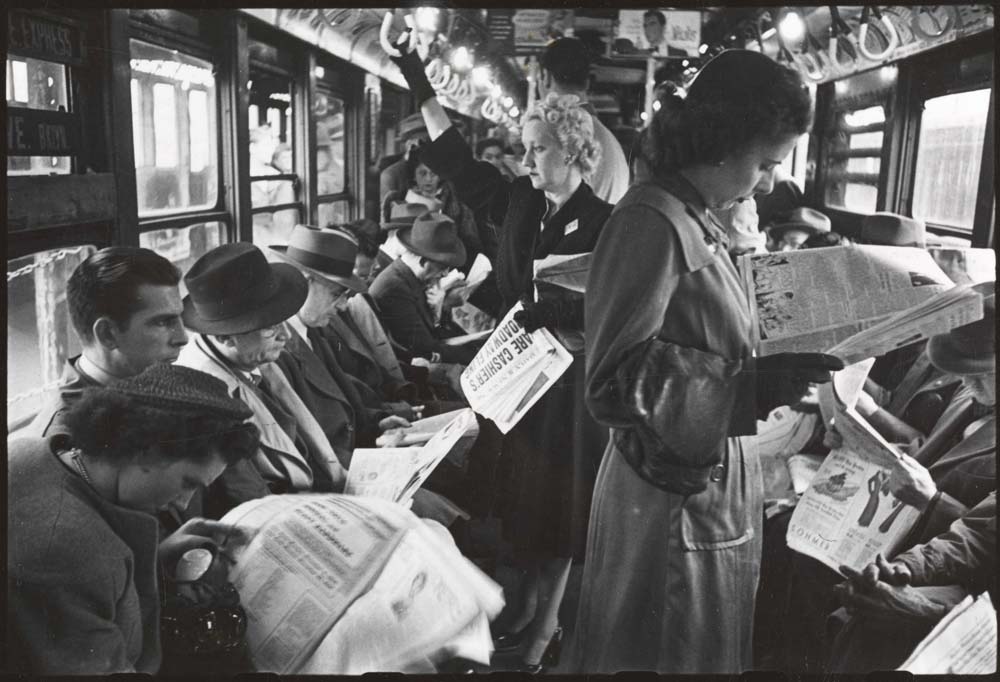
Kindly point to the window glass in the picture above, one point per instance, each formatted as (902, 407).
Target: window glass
(274, 227)
(272, 153)
(174, 130)
(40, 335)
(182, 246)
(853, 159)
(949, 156)
(335, 212)
(330, 144)
(37, 84)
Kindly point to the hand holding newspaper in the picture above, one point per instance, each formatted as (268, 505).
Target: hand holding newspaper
(512, 370)
(337, 584)
(847, 515)
(963, 643)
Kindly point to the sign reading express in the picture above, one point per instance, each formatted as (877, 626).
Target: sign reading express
(31, 132)
(32, 36)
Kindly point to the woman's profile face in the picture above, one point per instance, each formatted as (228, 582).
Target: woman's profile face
(748, 173)
(151, 485)
(426, 181)
(544, 157)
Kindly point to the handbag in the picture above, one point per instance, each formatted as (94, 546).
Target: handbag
(679, 403)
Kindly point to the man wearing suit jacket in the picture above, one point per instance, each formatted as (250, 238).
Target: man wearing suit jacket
(432, 248)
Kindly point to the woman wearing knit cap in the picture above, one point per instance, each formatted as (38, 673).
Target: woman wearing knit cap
(84, 557)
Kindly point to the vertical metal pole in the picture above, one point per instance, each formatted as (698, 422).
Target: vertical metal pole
(650, 86)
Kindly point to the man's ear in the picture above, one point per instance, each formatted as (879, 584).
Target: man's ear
(106, 333)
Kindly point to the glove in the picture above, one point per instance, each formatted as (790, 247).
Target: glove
(538, 315)
(413, 71)
(783, 378)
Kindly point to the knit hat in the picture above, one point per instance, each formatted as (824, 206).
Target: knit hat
(175, 388)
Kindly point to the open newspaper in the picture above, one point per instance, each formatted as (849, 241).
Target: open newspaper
(847, 515)
(963, 643)
(814, 299)
(338, 584)
(567, 271)
(422, 430)
(512, 371)
(396, 473)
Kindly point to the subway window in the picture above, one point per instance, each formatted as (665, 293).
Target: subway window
(855, 159)
(174, 130)
(273, 178)
(40, 85)
(182, 246)
(949, 158)
(40, 335)
(331, 149)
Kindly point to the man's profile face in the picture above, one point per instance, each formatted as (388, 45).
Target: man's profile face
(654, 30)
(154, 333)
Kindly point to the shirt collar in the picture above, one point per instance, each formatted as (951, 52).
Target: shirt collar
(253, 376)
(91, 370)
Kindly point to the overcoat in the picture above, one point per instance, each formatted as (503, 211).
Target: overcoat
(669, 579)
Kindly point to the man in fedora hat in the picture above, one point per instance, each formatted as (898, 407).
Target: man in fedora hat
(432, 248)
(238, 303)
(801, 223)
(397, 216)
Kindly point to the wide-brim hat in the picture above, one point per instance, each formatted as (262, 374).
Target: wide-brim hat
(892, 229)
(435, 237)
(232, 289)
(327, 253)
(403, 215)
(802, 219)
(971, 348)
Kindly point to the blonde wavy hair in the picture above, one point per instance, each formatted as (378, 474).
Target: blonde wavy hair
(574, 128)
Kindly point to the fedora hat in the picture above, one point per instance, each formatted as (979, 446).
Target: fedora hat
(402, 215)
(971, 348)
(327, 253)
(232, 289)
(412, 126)
(892, 229)
(435, 237)
(803, 219)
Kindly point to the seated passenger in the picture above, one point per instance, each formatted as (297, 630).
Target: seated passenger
(126, 311)
(790, 233)
(238, 302)
(83, 565)
(432, 248)
(396, 216)
(778, 204)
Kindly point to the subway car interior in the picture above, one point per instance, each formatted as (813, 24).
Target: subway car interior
(182, 131)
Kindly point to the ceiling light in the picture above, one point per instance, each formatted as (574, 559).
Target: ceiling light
(514, 112)
(427, 19)
(792, 28)
(508, 102)
(461, 58)
(703, 48)
(481, 77)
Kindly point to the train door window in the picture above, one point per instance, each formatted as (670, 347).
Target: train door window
(40, 336)
(42, 85)
(855, 159)
(274, 182)
(331, 149)
(949, 156)
(175, 128)
(182, 246)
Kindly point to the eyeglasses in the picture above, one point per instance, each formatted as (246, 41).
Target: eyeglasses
(271, 332)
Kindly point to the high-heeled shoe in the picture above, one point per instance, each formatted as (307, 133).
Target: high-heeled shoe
(506, 642)
(550, 657)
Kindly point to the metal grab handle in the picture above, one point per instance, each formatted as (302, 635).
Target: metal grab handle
(383, 35)
(812, 67)
(950, 21)
(840, 35)
(891, 35)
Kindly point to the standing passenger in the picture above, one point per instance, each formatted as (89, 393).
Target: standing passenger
(673, 550)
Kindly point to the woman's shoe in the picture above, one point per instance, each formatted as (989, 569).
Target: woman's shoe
(508, 641)
(550, 658)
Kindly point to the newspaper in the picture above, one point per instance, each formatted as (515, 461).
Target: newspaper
(963, 643)
(811, 300)
(847, 515)
(965, 266)
(396, 473)
(569, 272)
(422, 430)
(512, 370)
(337, 584)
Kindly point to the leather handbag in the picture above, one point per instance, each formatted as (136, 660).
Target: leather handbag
(679, 402)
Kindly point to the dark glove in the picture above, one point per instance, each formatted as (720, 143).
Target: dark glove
(784, 378)
(413, 71)
(537, 315)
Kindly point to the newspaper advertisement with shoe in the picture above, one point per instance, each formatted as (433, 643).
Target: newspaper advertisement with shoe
(811, 300)
(963, 643)
(336, 584)
(847, 515)
(512, 370)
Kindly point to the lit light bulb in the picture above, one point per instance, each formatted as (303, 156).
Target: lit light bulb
(703, 48)
(685, 63)
(461, 58)
(514, 112)
(887, 74)
(792, 28)
(657, 105)
(496, 91)
(508, 102)
(426, 19)
(319, 71)
(644, 116)
(481, 77)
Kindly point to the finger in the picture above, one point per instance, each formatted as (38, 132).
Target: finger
(870, 574)
(903, 575)
(850, 573)
(885, 569)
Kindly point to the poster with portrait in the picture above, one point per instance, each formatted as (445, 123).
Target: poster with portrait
(534, 28)
(657, 32)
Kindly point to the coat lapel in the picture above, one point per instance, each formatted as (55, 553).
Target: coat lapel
(315, 372)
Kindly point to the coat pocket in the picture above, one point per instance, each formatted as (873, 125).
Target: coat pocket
(719, 517)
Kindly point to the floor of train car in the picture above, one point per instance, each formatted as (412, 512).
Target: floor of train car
(488, 550)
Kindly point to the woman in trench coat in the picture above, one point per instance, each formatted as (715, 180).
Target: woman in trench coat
(673, 549)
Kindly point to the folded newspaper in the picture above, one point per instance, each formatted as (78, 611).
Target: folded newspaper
(567, 271)
(847, 515)
(338, 584)
(396, 473)
(963, 643)
(512, 371)
(815, 300)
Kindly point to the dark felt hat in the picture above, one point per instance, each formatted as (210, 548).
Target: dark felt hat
(435, 237)
(803, 219)
(892, 229)
(182, 389)
(403, 215)
(328, 253)
(232, 289)
(971, 348)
